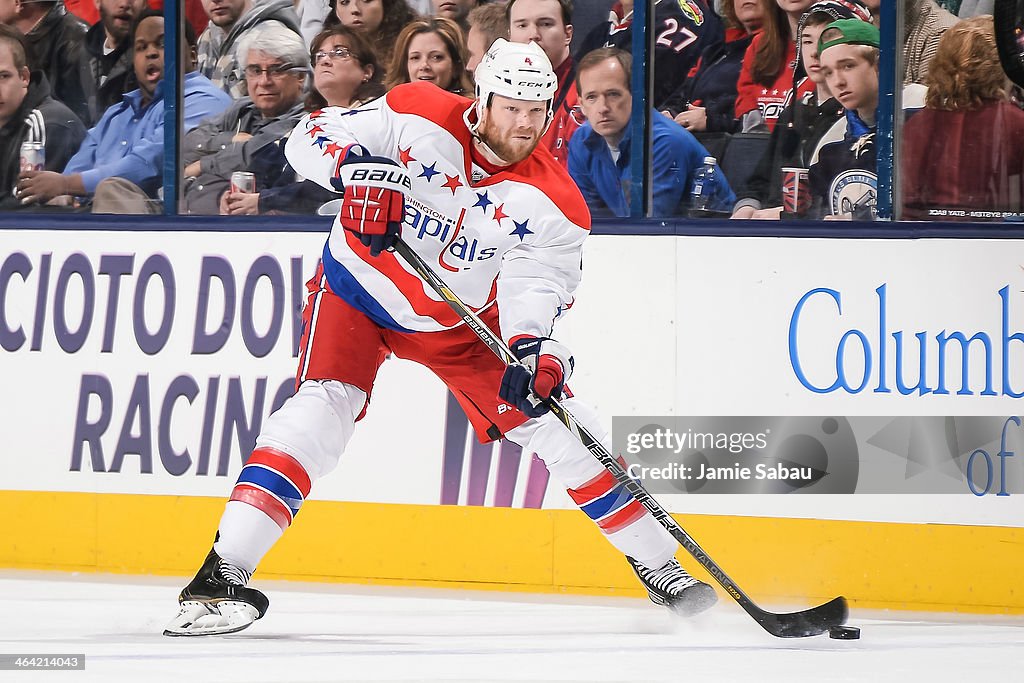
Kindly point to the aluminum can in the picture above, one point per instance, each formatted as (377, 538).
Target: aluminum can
(33, 156)
(796, 190)
(243, 181)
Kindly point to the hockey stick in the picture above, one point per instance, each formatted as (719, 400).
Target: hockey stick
(808, 622)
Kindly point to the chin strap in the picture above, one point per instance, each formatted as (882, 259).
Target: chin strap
(473, 126)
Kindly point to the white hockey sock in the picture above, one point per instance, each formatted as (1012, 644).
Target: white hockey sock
(626, 524)
(246, 534)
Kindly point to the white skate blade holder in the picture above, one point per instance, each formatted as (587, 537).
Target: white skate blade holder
(211, 619)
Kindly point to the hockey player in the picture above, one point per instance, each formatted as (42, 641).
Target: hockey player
(466, 187)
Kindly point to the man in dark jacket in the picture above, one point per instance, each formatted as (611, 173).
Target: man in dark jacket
(230, 20)
(806, 123)
(29, 114)
(276, 64)
(54, 39)
(106, 67)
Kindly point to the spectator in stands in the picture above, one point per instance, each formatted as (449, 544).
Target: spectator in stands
(766, 77)
(548, 23)
(379, 20)
(345, 74)
(456, 10)
(487, 23)
(842, 176)
(105, 67)
(431, 50)
(120, 163)
(54, 38)
(683, 29)
(805, 124)
(707, 99)
(29, 114)
(230, 21)
(924, 22)
(599, 152)
(275, 63)
(965, 149)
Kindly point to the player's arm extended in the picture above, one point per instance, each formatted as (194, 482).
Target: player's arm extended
(323, 139)
(538, 279)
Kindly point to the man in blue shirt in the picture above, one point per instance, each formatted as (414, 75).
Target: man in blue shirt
(120, 162)
(599, 154)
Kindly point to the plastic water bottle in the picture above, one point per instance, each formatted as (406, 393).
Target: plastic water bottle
(705, 185)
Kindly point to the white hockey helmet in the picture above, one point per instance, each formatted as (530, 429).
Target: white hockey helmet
(520, 71)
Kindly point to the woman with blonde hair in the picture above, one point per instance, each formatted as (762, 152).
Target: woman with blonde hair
(964, 152)
(431, 50)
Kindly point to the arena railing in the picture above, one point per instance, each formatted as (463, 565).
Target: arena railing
(638, 223)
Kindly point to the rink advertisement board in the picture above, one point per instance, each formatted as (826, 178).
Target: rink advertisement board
(145, 363)
(140, 366)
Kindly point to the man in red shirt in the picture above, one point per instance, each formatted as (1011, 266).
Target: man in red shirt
(547, 23)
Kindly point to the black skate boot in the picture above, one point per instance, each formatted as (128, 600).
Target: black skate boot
(674, 588)
(217, 601)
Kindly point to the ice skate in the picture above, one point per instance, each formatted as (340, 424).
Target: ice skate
(217, 601)
(673, 587)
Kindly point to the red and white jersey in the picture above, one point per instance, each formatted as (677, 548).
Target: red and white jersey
(511, 237)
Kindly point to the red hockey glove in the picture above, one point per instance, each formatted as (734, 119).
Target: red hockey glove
(543, 367)
(374, 203)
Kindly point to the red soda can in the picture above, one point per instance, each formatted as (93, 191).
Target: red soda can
(33, 156)
(243, 181)
(796, 190)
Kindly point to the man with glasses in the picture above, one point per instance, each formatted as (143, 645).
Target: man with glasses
(275, 63)
(220, 45)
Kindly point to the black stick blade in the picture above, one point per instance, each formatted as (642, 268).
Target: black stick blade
(809, 622)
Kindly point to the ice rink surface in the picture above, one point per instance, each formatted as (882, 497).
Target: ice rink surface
(330, 632)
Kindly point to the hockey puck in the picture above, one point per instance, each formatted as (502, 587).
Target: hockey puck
(844, 632)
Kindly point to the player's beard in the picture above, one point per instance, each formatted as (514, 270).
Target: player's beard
(510, 150)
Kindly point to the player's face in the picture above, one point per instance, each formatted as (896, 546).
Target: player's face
(512, 128)
(428, 60)
(8, 11)
(117, 16)
(338, 74)
(750, 13)
(809, 52)
(605, 98)
(13, 84)
(540, 21)
(273, 93)
(149, 54)
(364, 16)
(225, 12)
(851, 78)
(475, 41)
(456, 10)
